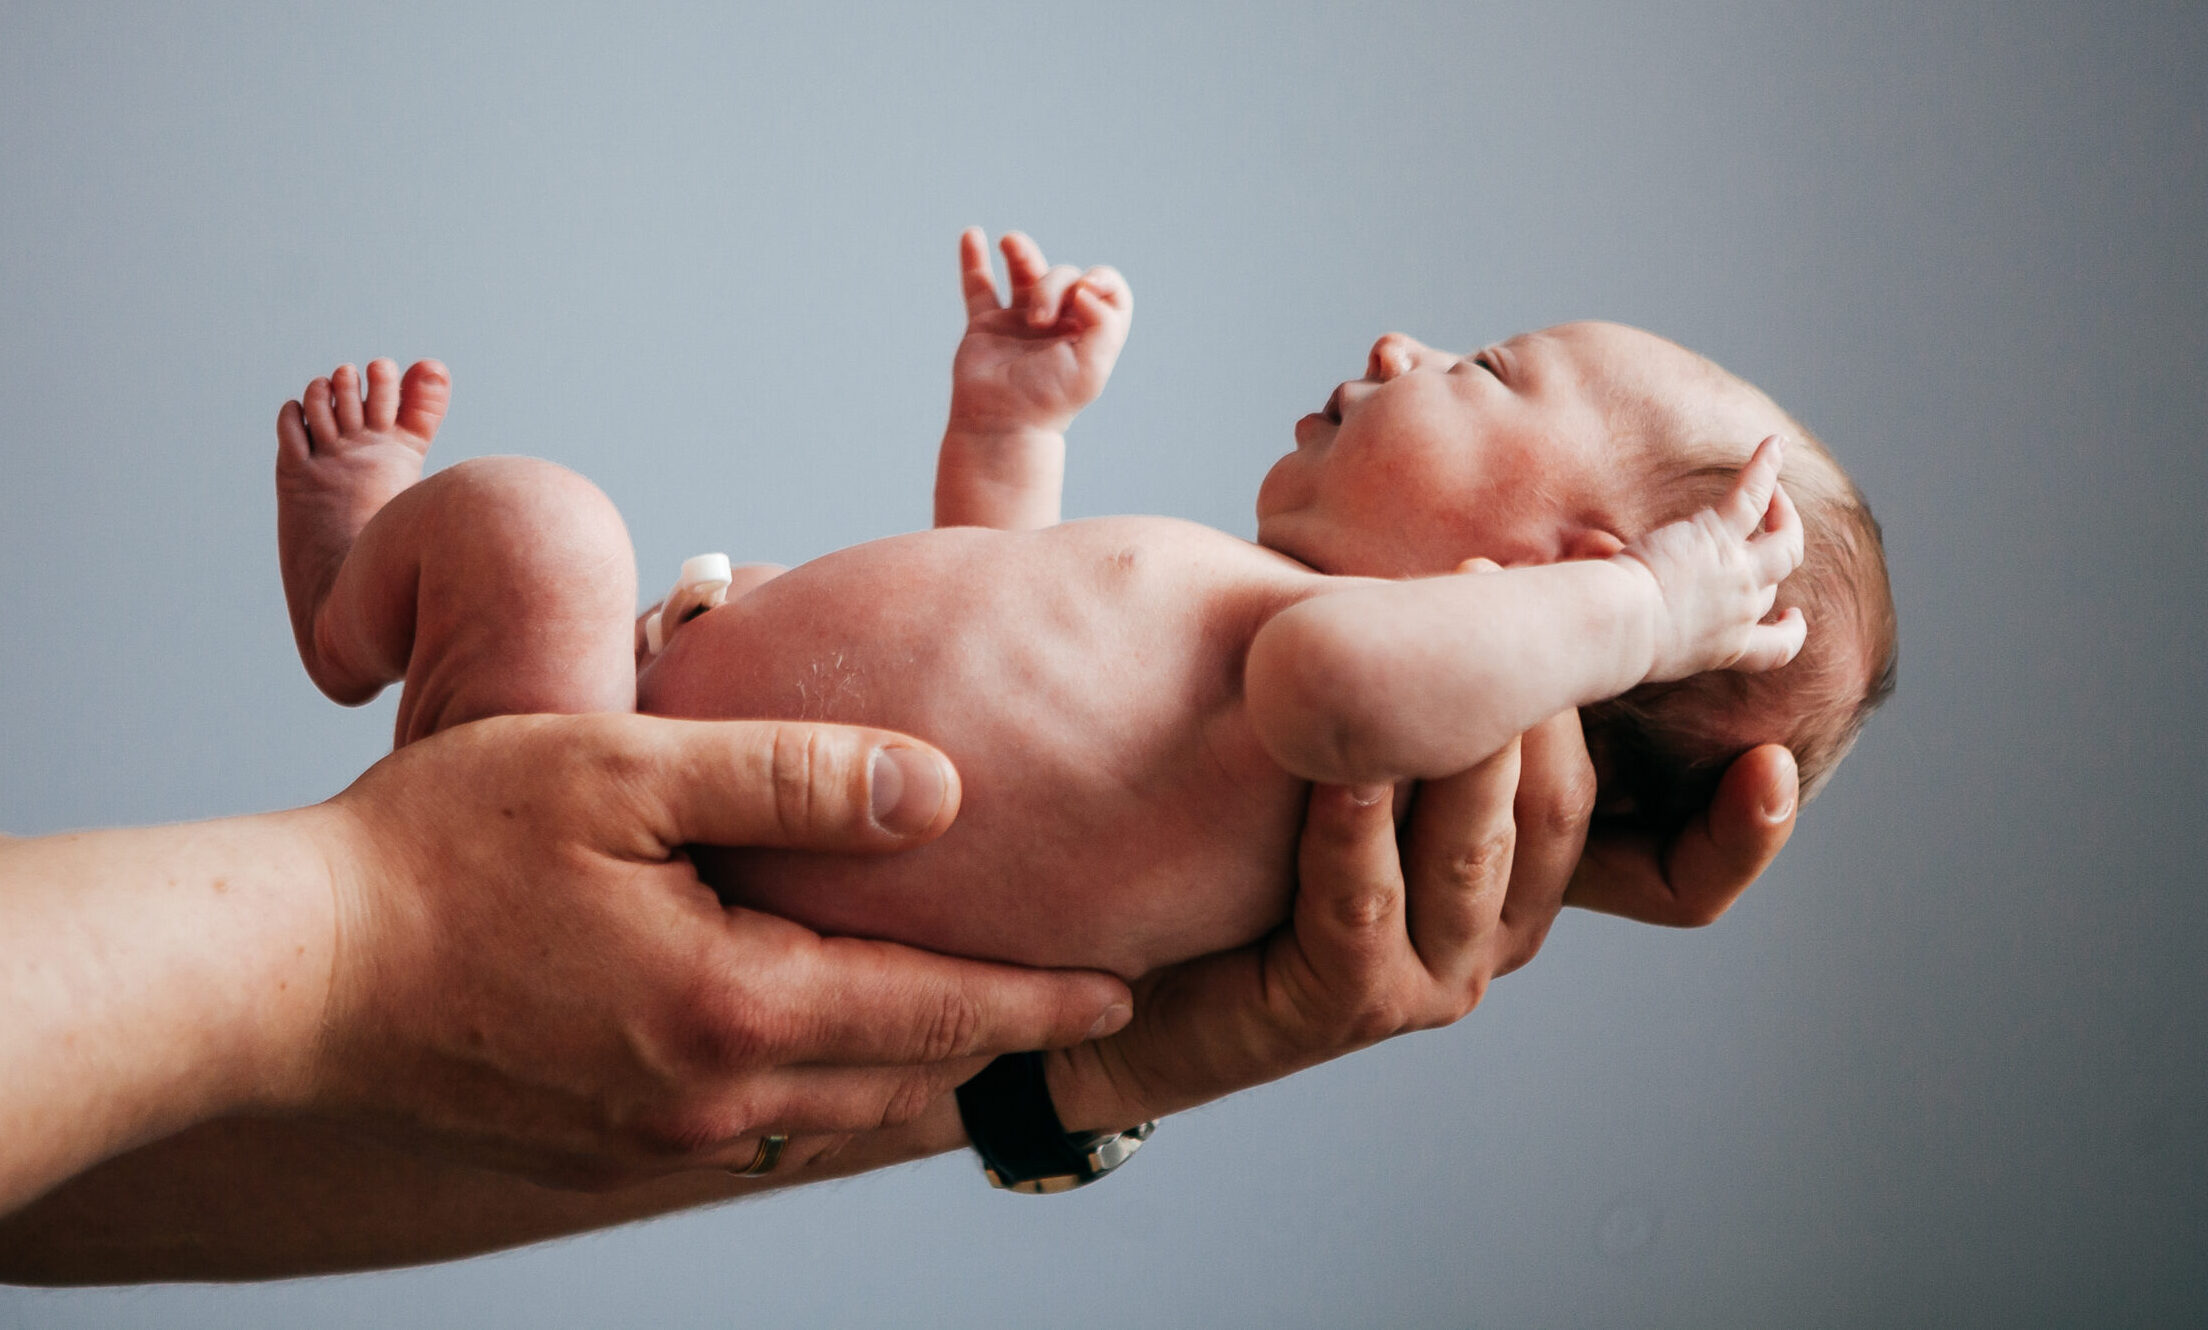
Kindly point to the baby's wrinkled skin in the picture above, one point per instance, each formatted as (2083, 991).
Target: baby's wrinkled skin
(1136, 704)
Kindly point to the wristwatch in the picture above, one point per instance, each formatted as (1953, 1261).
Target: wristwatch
(1023, 1146)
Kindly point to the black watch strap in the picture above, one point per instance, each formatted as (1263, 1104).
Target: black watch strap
(1023, 1146)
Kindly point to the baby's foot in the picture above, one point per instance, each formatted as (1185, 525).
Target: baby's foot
(338, 461)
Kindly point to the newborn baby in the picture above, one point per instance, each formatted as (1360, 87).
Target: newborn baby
(1458, 548)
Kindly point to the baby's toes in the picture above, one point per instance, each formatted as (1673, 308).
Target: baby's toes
(423, 397)
(345, 392)
(383, 393)
(292, 443)
(321, 419)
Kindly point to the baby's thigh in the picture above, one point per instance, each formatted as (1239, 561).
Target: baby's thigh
(525, 592)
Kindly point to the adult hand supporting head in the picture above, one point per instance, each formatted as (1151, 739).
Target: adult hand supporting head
(1693, 879)
(529, 973)
(1397, 933)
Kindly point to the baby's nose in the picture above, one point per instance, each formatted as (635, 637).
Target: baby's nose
(1394, 354)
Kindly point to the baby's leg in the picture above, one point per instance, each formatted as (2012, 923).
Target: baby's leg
(496, 586)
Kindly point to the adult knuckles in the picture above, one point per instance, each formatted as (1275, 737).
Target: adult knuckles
(690, 1129)
(1565, 805)
(1484, 861)
(727, 1027)
(949, 1026)
(908, 1097)
(812, 775)
(1367, 908)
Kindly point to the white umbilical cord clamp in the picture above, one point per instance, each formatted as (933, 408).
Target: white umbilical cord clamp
(702, 585)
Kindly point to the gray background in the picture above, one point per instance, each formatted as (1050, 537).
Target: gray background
(1944, 1066)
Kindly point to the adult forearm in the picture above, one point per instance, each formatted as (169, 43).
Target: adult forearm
(152, 979)
(263, 1198)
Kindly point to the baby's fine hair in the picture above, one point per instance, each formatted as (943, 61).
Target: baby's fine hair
(1661, 749)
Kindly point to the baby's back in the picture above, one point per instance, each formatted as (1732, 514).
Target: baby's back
(1086, 679)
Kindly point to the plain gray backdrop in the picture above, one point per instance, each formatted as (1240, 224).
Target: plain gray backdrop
(1944, 1066)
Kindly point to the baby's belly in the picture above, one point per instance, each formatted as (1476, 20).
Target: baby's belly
(1117, 812)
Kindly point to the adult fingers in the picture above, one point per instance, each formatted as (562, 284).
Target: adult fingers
(1697, 877)
(710, 1123)
(976, 282)
(781, 783)
(855, 1002)
(1555, 799)
(1349, 901)
(1457, 868)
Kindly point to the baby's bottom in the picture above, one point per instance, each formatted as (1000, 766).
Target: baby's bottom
(496, 586)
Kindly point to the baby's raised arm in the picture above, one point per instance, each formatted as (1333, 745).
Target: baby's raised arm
(1022, 373)
(1385, 681)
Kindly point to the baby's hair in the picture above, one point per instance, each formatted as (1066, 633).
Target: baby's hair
(1661, 749)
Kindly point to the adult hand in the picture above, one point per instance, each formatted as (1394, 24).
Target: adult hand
(528, 971)
(1690, 880)
(1393, 933)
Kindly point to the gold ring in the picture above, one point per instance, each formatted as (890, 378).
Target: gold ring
(764, 1158)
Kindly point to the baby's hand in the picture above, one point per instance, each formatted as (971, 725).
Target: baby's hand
(1033, 364)
(1718, 572)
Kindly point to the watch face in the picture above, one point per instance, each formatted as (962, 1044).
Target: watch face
(1109, 1152)
(1023, 1147)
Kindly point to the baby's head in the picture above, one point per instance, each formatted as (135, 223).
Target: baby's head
(1568, 443)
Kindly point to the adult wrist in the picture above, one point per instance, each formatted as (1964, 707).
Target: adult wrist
(299, 927)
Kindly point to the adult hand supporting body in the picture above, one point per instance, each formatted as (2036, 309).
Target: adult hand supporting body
(492, 946)
(1383, 940)
(1396, 933)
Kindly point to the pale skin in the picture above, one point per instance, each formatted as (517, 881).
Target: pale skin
(1136, 703)
(1375, 946)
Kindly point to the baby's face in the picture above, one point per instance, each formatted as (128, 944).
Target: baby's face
(1432, 457)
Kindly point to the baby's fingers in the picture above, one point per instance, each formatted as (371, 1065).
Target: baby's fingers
(1023, 259)
(1744, 508)
(974, 275)
(1099, 298)
(1108, 286)
(1779, 547)
(1046, 301)
(1771, 645)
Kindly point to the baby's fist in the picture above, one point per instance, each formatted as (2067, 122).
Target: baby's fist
(1717, 575)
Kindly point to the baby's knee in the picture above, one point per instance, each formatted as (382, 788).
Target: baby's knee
(536, 527)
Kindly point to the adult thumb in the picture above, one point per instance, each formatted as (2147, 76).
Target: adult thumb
(791, 784)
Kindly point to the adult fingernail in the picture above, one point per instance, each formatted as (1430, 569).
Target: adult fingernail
(1365, 796)
(1779, 809)
(1115, 1017)
(908, 790)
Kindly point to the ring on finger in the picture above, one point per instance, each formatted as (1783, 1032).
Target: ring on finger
(764, 1158)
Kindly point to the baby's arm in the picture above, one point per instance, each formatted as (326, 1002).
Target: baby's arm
(1023, 371)
(1380, 682)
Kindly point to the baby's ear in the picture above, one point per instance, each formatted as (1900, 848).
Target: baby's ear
(1592, 542)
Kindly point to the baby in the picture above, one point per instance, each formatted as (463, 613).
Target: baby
(1458, 548)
